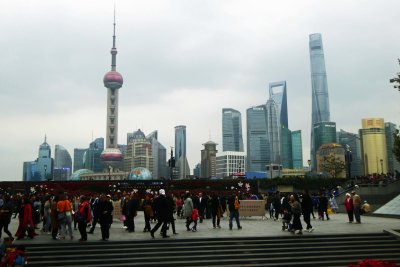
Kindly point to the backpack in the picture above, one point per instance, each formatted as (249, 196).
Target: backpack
(236, 203)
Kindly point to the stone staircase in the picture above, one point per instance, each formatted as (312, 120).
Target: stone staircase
(291, 250)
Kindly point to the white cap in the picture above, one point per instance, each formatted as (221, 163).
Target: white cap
(162, 192)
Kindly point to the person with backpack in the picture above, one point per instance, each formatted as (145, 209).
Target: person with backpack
(83, 216)
(234, 206)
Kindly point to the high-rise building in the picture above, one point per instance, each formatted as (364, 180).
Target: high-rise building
(29, 172)
(197, 170)
(297, 150)
(113, 80)
(324, 133)
(62, 164)
(393, 164)
(319, 86)
(44, 162)
(286, 148)
(351, 143)
(160, 168)
(257, 139)
(277, 92)
(373, 146)
(208, 160)
(231, 164)
(79, 158)
(273, 131)
(92, 157)
(232, 139)
(181, 163)
(139, 153)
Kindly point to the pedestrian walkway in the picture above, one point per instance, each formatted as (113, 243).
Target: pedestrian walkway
(252, 227)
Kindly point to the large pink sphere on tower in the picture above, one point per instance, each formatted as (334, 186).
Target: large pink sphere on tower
(113, 80)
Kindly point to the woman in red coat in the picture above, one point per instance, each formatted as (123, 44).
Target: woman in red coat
(348, 203)
(25, 219)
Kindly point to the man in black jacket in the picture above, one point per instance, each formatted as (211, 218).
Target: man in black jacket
(307, 208)
(105, 209)
(162, 209)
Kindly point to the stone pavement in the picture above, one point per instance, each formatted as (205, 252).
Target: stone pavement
(252, 226)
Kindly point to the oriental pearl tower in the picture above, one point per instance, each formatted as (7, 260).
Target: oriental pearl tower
(113, 80)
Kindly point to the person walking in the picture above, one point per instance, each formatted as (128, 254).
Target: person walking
(171, 211)
(105, 209)
(307, 207)
(216, 210)
(234, 206)
(25, 220)
(276, 202)
(83, 216)
(5, 216)
(323, 206)
(348, 204)
(356, 206)
(148, 212)
(161, 207)
(187, 210)
(296, 211)
(95, 212)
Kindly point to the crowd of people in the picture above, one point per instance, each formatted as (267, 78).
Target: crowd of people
(60, 215)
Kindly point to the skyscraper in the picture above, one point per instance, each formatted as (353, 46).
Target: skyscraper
(257, 139)
(232, 139)
(44, 162)
(297, 150)
(373, 146)
(113, 80)
(62, 164)
(92, 157)
(286, 148)
(273, 131)
(351, 143)
(159, 156)
(277, 92)
(181, 163)
(393, 164)
(208, 160)
(324, 133)
(319, 86)
(79, 158)
(139, 153)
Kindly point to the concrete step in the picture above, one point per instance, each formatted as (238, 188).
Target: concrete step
(263, 251)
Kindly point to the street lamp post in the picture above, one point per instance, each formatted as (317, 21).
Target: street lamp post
(381, 160)
(348, 158)
(396, 80)
(171, 163)
(309, 167)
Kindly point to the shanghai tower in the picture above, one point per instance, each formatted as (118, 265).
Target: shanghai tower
(319, 86)
(113, 80)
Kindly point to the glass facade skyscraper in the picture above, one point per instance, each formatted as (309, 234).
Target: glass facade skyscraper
(62, 164)
(257, 139)
(92, 160)
(232, 139)
(273, 131)
(393, 164)
(286, 148)
(351, 143)
(297, 150)
(181, 162)
(79, 158)
(277, 92)
(319, 86)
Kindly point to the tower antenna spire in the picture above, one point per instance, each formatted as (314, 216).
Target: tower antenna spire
(114, 49)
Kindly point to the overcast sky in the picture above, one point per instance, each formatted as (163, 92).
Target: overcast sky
(182, 62)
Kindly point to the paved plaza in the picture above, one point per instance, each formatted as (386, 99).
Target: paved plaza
(252, 226)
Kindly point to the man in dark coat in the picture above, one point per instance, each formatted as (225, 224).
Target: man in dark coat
(131, 212)
(276, 202)
(162, 209)
(307, 208)
(105, 209)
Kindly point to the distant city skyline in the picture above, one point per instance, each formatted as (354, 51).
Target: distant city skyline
(182, 63)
